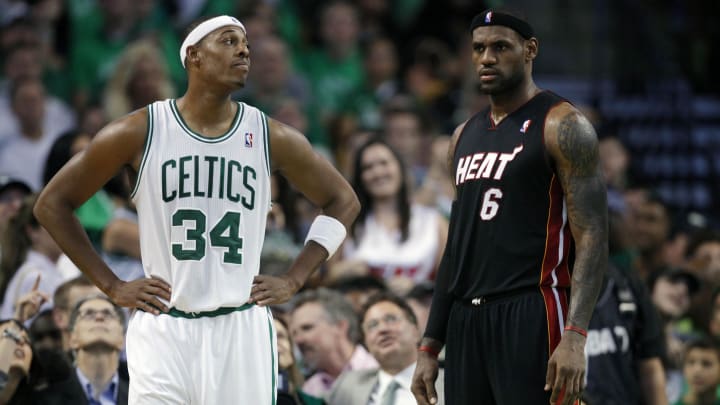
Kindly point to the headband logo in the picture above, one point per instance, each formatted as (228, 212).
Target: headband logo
(488, 17)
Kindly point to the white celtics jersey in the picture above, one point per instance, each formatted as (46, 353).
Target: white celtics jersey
(202, 206)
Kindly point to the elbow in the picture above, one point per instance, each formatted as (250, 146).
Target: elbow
(41, 209)
(353, 207)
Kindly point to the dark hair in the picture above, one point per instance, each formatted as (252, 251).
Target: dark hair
(366, 203)
(700, 238)
(421, 291)
(44, 316)
(76, 310)
(358, 283)
(16, 241)
(287, 197)
(702, 343)
(19, 47)
(387, 296)
(60, 153)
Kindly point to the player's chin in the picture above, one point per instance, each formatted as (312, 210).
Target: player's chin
(237, 79)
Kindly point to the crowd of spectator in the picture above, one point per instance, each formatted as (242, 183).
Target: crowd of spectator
(376, 86)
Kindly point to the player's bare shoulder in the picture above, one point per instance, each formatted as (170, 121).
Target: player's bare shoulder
(286, 144)
(126, 135)
(570, 139)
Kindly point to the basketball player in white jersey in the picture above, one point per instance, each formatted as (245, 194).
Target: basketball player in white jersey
(202, 333)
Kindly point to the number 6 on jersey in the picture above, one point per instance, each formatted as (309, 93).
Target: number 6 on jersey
(490, 204)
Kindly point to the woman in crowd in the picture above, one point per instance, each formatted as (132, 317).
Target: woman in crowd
(140, 78)
(15, 362)
(392, 238)
(29, 253)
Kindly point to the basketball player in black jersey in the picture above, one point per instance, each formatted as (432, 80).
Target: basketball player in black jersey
(528, 236)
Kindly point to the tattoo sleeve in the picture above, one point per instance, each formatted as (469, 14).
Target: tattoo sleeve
(586, 198)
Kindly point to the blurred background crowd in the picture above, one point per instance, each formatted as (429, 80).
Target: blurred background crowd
(377, 86)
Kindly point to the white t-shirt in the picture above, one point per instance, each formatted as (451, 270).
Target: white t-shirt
(388, 257)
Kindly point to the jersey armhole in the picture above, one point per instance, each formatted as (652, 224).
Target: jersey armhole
(266, 150)
(146, 149)
(266, 142)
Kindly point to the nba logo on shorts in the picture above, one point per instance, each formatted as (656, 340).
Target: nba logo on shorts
(488, 17)
(248, 139)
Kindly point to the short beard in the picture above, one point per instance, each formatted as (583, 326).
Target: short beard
(503, 86)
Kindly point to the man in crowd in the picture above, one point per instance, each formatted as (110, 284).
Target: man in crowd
(325, 329)
(392, 336)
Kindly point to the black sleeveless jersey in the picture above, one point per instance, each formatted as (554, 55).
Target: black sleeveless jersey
(511, 229)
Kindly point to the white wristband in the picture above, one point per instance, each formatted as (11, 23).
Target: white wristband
(328, 232)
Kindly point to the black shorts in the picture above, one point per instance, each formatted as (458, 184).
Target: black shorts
(497, 349)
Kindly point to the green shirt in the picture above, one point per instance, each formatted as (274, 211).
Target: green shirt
(334, 83)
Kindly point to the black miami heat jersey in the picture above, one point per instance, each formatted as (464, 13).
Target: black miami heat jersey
(511, 229)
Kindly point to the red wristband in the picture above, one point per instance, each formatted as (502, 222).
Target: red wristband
(576, 330)
(429, 350)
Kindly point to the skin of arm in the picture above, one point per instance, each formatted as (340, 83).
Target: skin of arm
(652, 381)
(325, 187)
(442, 239)
(573, 148)
(426, 371)
(117, 145)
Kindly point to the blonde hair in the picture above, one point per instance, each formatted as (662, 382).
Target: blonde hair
(116, 99)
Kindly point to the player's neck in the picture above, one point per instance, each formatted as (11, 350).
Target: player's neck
(505, 103)
(205, 108)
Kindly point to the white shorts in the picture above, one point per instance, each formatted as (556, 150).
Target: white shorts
(227, 359)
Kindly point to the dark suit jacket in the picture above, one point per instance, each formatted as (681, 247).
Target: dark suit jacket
(71, 392)
(354, 387)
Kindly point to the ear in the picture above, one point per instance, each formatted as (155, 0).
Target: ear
(531, 49)
(343, 326)
(192, 55)
(60, 318)
(74, 344)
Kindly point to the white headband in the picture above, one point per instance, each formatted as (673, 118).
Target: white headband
(205, 28)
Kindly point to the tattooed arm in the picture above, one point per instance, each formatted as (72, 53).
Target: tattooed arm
(573, 148)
